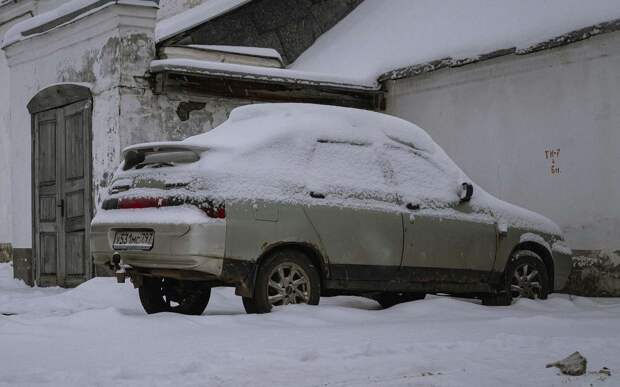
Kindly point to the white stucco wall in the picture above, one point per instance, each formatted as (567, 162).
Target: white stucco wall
(500, 120)
(5, 159)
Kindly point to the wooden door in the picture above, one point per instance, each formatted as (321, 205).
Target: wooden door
(62, 194)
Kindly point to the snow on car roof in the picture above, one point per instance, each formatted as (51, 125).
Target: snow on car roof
(255, 125)
(420, 31)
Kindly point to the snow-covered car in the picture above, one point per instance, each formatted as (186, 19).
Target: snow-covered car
(288, 202)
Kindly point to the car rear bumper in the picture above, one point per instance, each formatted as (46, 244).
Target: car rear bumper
(197, 247)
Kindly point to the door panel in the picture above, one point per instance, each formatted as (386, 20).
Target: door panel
(360, 244)
(74, 253)
(456, 247)
(46, 196)
(61, 194)
(48, 254)
(74, 188)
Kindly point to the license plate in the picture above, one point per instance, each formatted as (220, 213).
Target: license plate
(133, 240)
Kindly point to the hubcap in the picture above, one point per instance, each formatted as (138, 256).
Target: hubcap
(288, 284)
(525, 282)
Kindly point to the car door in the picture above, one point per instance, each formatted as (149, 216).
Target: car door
(453, 245)
(349, 206)
(445, 240)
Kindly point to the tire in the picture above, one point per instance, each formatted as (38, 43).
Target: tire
(389, 299)
(296, 277)
(172, 295)
(525, 277)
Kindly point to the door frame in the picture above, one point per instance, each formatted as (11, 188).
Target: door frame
(51, 98)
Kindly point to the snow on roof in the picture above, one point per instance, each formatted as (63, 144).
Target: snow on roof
(251, 125)
(259, 73)
(380, 36)
(63, 14)
(193, 17)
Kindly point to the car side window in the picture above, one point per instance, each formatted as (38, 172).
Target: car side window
(418, 178)
(348, 171)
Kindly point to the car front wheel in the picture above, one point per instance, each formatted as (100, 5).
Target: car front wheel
(172, 295)
(525, 277)
(285, 277)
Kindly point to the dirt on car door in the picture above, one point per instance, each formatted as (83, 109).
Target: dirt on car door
(454, 245)
(361, 244)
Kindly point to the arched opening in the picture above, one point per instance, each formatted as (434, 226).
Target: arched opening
(61, 184)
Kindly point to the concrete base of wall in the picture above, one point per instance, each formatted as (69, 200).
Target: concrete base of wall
(595, 274)
(22, 265)
(6, 252)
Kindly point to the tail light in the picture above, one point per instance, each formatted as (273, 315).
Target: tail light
(217, 211)
(142, 202)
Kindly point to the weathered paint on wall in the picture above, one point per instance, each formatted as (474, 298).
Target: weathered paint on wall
(10, 14)
(540, 130)
(88, 51)
(112, 56)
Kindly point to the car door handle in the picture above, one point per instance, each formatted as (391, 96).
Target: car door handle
(317, 195)
(413, 207)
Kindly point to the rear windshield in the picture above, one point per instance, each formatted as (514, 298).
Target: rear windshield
(139, 159)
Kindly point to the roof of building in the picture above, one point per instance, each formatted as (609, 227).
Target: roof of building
(379, 37)
(193, 17)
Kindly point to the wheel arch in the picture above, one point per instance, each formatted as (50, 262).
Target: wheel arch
(311, 251)
(542, 252)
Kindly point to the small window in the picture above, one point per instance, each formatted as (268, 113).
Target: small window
(418, 178)
(348, 170)
(140, 159)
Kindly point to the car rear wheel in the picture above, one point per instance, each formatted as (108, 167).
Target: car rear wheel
(525, 277)
(172, 295)
(285, 277)
(389, 299)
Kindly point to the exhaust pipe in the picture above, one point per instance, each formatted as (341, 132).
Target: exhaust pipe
(119, 269)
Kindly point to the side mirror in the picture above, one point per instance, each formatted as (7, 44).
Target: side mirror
(466, 192)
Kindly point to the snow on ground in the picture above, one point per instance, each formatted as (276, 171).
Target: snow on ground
(380, 36)
(98, 334)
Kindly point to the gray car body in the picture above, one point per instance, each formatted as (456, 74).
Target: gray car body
(361, 239)
(358, 250)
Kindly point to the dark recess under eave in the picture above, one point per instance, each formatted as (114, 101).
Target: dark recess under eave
(261, 90)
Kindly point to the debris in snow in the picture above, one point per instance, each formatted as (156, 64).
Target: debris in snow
(603, 373)
(573, 365)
